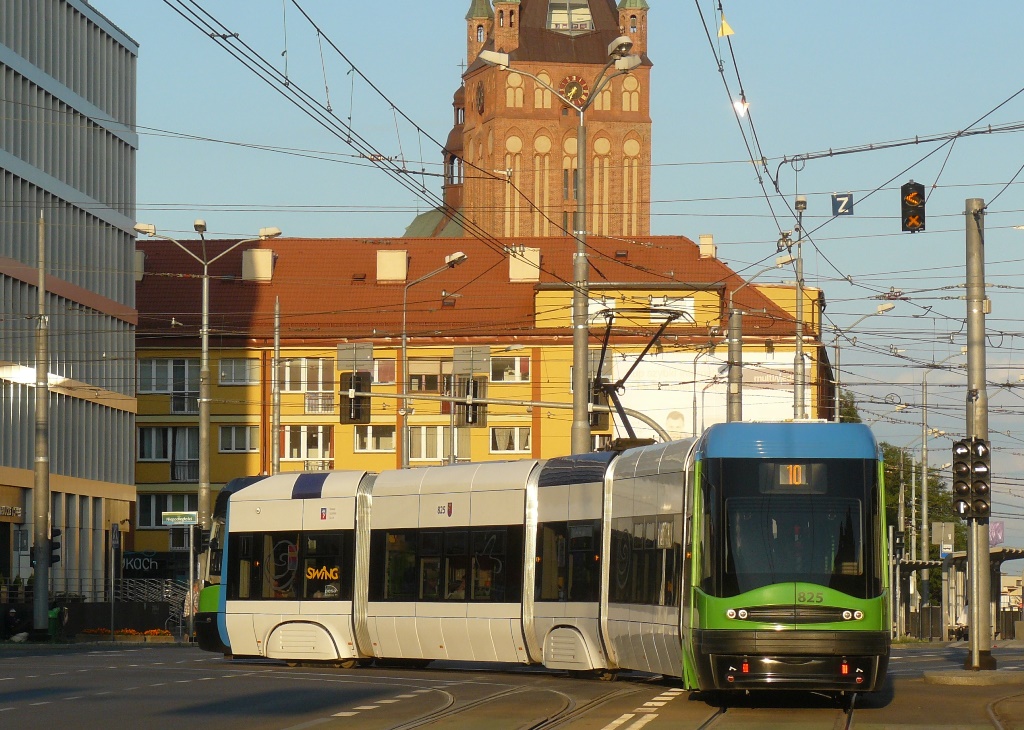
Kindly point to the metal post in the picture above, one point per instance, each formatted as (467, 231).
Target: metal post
(204, 403)
(735, 390)
(925, 546)
(835, 384)
(580, 433)
(980, 656)
(404, 410)
(41, 477)
(798, 363)
(275, 394)
(191, 583)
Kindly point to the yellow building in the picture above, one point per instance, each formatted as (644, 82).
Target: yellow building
(502, 318)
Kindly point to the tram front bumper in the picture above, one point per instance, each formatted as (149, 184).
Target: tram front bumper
(819, 660)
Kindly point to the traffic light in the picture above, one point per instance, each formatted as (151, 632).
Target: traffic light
(981, 477)
(472, 412)
(355, 408)
(599, 420)
(54, 546)
(200, 538)
(912, 206)
(898, 544)
(962, 478)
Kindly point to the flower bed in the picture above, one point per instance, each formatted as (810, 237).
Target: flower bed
(153, 636)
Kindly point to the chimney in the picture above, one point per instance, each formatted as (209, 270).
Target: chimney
(707, 246)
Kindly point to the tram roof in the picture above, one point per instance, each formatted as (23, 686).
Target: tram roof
(302, 485)
(790, 440)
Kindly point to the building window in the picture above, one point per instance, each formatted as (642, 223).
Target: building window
(240, 371)
(384, 371)
(570, 16)
(154, 443)
(426, 376)
(375, 438)
(178, 445)
(510, 369)
(479, 34)
(307, 442)
(433, 443)
(151, 507)
(510, 439)
(178, 377)
(239, 438)
(632, 24)
(306, 374)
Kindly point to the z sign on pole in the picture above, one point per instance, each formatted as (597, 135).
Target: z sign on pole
(842, 203)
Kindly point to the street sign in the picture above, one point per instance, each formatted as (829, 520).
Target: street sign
(842, 203)
(115, 535)
(179, 518)
(945, 550)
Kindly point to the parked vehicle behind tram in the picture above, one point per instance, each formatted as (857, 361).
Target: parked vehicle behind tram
(750, 557)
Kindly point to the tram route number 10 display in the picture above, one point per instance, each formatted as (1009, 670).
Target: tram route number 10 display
(793, 478)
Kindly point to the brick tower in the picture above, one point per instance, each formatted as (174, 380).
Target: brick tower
(518, 155)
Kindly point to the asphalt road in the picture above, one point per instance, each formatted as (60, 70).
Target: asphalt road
(113, 687)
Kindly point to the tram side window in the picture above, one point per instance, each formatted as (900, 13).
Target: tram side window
(646, 560)
(325, 556)
(480, 564)
(264, 565)
(568, 566)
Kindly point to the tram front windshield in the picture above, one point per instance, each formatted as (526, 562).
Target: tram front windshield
(791, 521)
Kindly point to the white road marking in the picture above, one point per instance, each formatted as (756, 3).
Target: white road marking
(641, 722)
(619, 722)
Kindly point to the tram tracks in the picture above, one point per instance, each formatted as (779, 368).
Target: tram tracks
(567, 708)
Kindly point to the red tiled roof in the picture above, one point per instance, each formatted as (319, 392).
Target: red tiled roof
(328, 288)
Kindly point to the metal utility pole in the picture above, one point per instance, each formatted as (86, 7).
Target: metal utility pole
(579, 435)
(41, 481)
(978, 561)
(798, 362)
(275, 394)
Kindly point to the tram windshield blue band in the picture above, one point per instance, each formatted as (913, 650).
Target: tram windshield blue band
(309, 486)
(810, 440)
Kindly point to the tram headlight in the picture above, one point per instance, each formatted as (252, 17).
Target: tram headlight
(858, 615)
(847, 615)
(742, 613)
(731, 613)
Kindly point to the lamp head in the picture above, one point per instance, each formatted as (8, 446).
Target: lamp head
(620, 47)
(266, 233)
(454, 259)
(801, 203)
(200, 226)
(146, 229)
(886, 307)
(494, 58)
(627, 63)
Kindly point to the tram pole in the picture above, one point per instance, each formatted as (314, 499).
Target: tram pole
(980, 656)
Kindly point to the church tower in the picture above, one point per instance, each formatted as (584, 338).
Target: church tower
(518, 152)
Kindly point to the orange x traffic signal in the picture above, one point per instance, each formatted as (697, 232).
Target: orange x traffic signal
(912, 206)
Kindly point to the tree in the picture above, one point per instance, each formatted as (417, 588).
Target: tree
(848, 412)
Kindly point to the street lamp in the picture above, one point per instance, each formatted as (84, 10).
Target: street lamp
(882, 309)
(148, 229)
(450, 262)
(624, 62)
(734, 398)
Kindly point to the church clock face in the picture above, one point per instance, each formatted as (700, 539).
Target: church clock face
(480, 98)
(575, 90)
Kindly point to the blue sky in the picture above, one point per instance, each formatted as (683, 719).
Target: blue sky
(818, 77)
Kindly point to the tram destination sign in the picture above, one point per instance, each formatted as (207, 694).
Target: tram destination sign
(179, 518)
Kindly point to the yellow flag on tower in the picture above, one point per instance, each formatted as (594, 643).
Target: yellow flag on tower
(725, 29)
